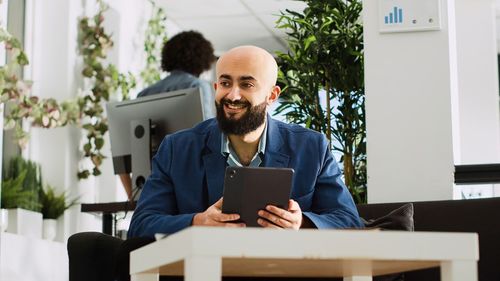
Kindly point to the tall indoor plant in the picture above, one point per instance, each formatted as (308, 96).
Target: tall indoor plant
(322, 75)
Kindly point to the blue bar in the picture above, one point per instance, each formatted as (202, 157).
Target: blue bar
(390, 18)
(386, 19)
(396, 15)
(401, 15)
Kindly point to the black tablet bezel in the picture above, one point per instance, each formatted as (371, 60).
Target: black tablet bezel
(250, 189)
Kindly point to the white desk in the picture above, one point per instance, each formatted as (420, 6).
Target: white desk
(202, 253)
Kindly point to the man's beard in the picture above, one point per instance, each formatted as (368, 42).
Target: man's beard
(252, 119)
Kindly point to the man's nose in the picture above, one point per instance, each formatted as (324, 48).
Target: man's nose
(234, 94)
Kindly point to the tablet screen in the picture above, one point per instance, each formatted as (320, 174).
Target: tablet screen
(248, 190)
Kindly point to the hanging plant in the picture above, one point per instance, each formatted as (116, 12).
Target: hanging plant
(45, 113)
(86, 110)
(49, 113)
(156, 36)
(323, 80)
(94, 44)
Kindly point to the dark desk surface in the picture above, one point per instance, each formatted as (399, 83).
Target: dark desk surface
(110, 207)
(108, 211)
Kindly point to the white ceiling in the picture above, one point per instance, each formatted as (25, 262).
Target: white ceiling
(230, 23)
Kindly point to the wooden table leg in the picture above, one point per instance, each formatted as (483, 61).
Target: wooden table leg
(459, 271)
(145, 277)
(358, 278)
(202, 269)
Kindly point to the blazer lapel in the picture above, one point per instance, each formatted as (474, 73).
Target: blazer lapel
(215, 167)
(275, 156)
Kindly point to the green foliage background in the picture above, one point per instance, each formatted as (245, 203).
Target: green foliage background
(53, 205)
(323, 80)
(94, 44)
(21, 185)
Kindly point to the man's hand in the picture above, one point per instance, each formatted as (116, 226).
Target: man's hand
(213, 216)
(275, 217)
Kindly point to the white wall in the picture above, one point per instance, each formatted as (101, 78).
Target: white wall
(51, 36)
(410, 83)
(431, 102)
(32, 259)
(479, 119)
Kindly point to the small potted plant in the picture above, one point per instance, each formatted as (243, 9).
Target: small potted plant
(13, 197)
(21, 182)
(53, 207)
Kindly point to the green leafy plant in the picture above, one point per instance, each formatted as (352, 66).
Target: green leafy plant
(25, 177)
(54, 205)
(45, 113)
(323, 80)
(94, 44)
(14, 196)
(86, 110)
(154, 39)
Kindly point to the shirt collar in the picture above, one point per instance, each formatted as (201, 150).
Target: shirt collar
(232, 158)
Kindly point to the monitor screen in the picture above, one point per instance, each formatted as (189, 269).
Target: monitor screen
(137, 127)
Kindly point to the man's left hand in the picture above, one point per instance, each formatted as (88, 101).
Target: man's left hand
(274, 217)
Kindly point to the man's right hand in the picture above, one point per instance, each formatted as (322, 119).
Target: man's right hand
(213, 216)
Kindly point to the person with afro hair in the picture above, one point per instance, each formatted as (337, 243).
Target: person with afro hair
(185, 56)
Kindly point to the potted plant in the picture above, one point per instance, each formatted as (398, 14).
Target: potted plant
(53, 206)
(20, 197)
(13, 196)
(323, 80)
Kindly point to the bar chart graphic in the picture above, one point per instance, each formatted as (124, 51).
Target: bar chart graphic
(394, 17)
(409, 15)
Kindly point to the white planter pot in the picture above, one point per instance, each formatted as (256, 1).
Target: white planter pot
(4, 219)
(49, 229)
(24, 222)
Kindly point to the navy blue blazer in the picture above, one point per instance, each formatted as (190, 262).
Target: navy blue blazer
(188, 175)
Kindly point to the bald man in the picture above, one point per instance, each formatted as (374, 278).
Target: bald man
(186, 183)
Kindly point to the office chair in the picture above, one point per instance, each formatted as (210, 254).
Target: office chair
(94, 256)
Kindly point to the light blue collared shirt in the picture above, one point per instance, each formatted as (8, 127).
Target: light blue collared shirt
(232, 158)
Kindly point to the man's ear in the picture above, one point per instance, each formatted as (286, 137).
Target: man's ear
(215, 86)
(275, 93)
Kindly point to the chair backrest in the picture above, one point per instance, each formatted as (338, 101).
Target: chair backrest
(92, 256)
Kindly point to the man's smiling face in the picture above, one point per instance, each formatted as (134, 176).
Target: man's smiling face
(244, 89)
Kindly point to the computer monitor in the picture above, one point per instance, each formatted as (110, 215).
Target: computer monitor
(137, 127)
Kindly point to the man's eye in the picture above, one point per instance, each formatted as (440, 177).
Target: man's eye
(246, 85)
(224, 83)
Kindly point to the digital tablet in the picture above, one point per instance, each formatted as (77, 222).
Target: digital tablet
(248, 190)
